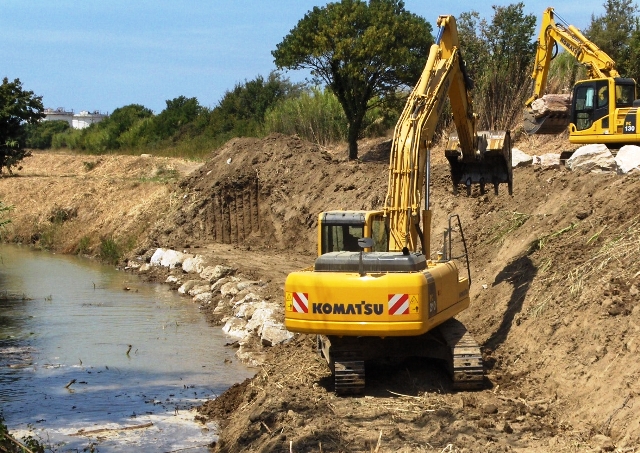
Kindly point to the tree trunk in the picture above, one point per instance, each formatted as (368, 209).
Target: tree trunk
(353, 141)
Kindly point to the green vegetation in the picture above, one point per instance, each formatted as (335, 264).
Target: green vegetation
(18, 108)
(83, 247)
(110, 250)
(10, 444)
(499, 56)
(617, 32)
(362, 52)
(40, 135)
(4, 210)
(363, 56)
(510, 223)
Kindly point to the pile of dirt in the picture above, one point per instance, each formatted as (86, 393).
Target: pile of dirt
(267, 194)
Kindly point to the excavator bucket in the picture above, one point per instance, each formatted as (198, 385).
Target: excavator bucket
(552, 123)
(489, 164)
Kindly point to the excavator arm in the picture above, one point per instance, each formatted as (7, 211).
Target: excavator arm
(599, 65)
(472, 155)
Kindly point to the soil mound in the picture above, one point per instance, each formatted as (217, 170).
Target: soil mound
(266, 194)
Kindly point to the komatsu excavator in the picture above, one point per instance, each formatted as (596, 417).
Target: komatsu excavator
(602, 106)
(373, 291)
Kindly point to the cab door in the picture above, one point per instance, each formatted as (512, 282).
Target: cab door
(590, 103)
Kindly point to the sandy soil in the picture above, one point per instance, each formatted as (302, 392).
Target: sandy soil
(555, 274)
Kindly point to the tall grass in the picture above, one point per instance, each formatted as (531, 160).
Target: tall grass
(564, 72)
(316, 116)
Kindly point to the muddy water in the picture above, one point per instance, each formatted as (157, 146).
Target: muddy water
(84, 347)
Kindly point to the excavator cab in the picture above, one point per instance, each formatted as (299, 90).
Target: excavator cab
(339, 231)
(595, 100)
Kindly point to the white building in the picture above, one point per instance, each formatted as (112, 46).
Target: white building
(86, 119)
(59, 114)
(75, 120)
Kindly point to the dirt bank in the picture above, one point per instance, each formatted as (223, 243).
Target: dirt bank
(554, 296)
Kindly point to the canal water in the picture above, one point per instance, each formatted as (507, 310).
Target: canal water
(87, 350)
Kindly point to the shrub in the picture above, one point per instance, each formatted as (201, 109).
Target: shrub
(110, 251)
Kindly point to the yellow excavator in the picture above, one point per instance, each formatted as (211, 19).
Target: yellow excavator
(602, 108)
(373, 291)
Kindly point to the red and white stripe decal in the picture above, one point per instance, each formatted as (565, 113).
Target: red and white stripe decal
(301, 302)
(398, 304)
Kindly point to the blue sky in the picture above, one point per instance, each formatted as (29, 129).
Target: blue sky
(100, 55)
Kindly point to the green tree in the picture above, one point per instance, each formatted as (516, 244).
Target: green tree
(18, 107)
(498, 55)
(616, 33)
(178, 113)
(39, 135)
(361, 51)
(105, 135)
(241, 111)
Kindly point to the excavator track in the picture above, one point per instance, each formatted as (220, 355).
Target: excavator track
(465, 362)
(349, 377)
(346, 363)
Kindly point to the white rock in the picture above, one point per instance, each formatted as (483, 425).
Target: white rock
(219, 308)
(198, 289)
(247, 284)
(144, 268)
(156, 258)
(212, 273)
(550, 160)
(628, 159)
(246, 307)
(131, 264)
(235, 327)
(264, 312)
(229, 289)
(172, 258)
(193, 264)
(186, 286)
(520, 158)
(203, 298)
(218, 283)
(250, 357)
(171, 279)
(249, 297)
(274, 333)
(594, 158)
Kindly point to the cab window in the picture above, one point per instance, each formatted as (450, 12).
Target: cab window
(380, 234)
(339, 238)
(625, 95)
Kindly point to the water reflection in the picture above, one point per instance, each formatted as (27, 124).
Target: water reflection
(96, 348)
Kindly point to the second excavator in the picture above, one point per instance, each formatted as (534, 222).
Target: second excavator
(374, 291)
(601, 108)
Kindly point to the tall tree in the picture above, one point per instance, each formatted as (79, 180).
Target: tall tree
(18, 107)
(361, 51)
(499, 54)
(616, 33)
